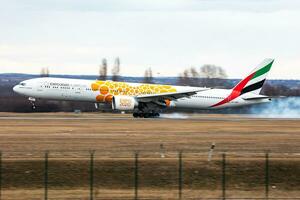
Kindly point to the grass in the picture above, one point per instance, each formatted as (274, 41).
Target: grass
(153, 173)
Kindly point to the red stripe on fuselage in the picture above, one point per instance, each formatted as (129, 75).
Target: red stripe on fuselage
(236, 91)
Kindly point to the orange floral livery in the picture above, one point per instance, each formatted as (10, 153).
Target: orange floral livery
(108, 89)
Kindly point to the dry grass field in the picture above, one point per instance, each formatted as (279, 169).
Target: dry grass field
(69, 138)
(113, 132)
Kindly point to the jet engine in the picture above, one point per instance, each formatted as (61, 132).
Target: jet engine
(124, 103)
(169, 103)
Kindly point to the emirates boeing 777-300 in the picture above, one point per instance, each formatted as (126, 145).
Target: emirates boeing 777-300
(148, 100)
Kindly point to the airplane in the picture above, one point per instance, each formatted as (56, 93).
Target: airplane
(148, 100)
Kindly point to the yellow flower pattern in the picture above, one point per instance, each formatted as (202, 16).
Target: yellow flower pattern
(108, 89)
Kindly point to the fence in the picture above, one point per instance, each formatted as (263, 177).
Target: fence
(148, 175)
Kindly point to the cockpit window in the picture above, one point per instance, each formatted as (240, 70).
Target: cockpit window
(23, 84)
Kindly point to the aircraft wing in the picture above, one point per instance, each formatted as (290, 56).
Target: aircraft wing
(168, 96)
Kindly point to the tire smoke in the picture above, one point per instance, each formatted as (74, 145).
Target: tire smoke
(174, 116)
(287, 107)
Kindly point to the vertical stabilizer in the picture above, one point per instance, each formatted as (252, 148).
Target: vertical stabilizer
(254, 82)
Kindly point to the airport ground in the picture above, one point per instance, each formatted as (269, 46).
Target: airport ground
(121, 132)
(69, 137)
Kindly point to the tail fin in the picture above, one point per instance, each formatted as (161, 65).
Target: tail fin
(254, 82)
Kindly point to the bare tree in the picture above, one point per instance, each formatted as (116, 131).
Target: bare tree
(116, 70)
(44, 72)
(222, 73)
(148, 76)
(212, 71)
(194, 72)
(103, 70)
(184, 78)
(208, 76)
(213, 76)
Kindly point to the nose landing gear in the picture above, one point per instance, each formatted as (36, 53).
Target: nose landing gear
(32, 101)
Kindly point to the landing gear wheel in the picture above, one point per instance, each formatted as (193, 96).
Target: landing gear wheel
(32, 101)
(33, 105)
(151, 115)
(145, 115)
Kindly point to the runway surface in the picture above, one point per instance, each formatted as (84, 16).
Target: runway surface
(122, 132)
(176, 116)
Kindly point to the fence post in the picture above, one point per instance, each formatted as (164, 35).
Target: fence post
(92, 175)
(180, 175)
(223, 176)
(0, 175)
(46, 176)
(267, 176)
(136, 176)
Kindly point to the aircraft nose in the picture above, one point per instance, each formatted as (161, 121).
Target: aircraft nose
(16, 88)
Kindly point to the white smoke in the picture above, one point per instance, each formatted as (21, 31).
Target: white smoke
(288, 107)
(174, 116)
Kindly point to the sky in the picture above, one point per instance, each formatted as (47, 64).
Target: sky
(72, 36)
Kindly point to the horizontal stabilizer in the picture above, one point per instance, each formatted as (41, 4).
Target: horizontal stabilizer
(257, 98)
(262, 97)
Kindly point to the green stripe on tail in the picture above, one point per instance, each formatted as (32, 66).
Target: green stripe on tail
(263, 70)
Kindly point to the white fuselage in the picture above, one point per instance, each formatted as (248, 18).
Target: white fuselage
(81, 90)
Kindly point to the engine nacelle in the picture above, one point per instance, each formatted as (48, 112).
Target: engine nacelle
(124, 103)
(169, 103)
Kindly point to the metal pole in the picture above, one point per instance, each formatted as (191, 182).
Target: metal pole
(180, 175)
(267, 176)
(92, 175)
(136, 176)
(46, 176)
(223, 176)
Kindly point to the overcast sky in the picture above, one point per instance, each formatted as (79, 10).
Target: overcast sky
(72, 36)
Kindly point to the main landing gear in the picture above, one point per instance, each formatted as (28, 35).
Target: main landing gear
(145, 115)
(146, 111)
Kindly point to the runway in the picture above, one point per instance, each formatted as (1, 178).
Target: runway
(176, 116)
(122, 132)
